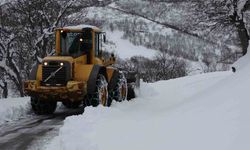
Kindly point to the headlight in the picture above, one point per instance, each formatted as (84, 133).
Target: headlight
(61, 64)
(45, 63)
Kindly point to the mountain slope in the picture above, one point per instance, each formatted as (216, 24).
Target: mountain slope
(125, 49)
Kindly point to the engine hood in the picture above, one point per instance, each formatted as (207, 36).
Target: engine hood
(59, 58)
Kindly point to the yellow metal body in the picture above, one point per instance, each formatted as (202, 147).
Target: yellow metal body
(76, 88)
(73, 91)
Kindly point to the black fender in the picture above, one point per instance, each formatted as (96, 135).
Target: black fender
(33, 72)
(91, 83)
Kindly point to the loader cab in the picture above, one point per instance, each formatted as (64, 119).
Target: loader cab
(80, 41)
(75, 44)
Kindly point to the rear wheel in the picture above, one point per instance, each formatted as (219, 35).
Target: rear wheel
(101, 93)
(121, 88)
(71, 105)
(43, 107)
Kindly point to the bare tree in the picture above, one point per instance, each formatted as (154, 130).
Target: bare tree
(236, 15)
(3, 84)
(162, 67)
(7, 61)
(25, 36)
(226, 16)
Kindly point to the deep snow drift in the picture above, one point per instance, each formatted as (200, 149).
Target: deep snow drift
(202, 112)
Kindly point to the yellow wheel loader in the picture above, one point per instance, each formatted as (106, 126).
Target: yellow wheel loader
(77, 74)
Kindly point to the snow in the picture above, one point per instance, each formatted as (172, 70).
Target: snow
(3, 2)
(13, 108)
(81, 26)
(240, 64)
(125, 49)
(207, 111)
(240, 7)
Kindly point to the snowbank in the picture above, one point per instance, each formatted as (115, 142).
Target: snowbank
(196, 112)
(243, 61)
(80, 26)
(201, 112)
(13, 108)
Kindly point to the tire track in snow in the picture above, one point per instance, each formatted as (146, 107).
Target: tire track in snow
(30, 132)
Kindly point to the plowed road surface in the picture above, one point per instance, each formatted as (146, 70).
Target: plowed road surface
(33, 132)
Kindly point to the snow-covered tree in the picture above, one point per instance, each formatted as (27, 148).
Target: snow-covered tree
(237, 10)
(26, 33)
(224, 19)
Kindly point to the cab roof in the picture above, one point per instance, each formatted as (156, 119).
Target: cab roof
(79, 28)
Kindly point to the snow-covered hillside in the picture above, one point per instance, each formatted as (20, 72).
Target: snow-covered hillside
(125, 49)
(202, 112)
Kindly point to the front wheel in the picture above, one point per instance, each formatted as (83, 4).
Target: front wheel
(43, 106)
(101, 93)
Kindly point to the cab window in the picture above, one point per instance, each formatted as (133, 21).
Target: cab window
(75, 44)
(98, 44)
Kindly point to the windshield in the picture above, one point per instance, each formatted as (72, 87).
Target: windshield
(75, 44)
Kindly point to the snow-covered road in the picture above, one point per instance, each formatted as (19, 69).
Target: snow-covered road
(134, 122)
(32, 132)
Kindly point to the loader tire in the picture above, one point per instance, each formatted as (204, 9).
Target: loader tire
(121, 88)
(131, 93)
(71, 105)
(100, 96)
(43, 107)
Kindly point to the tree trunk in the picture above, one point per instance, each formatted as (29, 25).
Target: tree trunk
(243, 36)
(5, 89)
